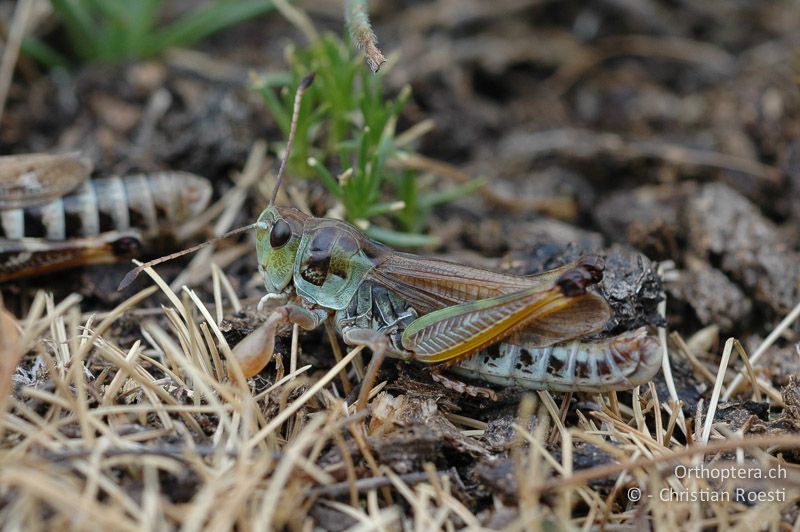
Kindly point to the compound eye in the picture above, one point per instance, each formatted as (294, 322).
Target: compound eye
(280, 233)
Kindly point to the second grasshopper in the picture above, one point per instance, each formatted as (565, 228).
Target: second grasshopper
(52, 216)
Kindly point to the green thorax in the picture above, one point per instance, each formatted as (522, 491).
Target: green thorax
(332, 261)
(327, 260)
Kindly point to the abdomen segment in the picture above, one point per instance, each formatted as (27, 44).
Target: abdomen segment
(617, 363)
(149, 203)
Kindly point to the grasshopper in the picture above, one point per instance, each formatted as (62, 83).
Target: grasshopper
(53, 217)
(503, 328)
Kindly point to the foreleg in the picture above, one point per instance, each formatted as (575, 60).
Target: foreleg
(254, 352)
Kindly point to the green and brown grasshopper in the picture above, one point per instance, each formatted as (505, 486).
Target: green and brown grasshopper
(435, 312)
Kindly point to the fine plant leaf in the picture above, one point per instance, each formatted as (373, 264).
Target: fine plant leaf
(115, 31)
(400, 239)
(202, 22)
(348, 128)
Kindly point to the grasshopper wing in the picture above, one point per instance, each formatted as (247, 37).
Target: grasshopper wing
(584, 316)
(38, 178)
(450, 334)
(432, 284)
(28, 257)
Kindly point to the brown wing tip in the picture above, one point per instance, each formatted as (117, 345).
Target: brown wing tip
(594, 264)
(587, 272)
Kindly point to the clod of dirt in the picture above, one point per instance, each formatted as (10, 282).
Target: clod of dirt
(499, 518)
(416, 380)
(114, 113)
(409, 449)
(647, 218)
(549, 233)
(725, 228)
(554, 191)
(792, 168)
(737, 414)
(519, 236)
(147, 116)
(771, 275)
(102, 281)
(208, 128)
(688, 387)
(585, 455)
(501, 432)
(410, 380)
(729, 243)
(498, 477)
(791, 398)
(327, 518)
(755, 417)
(179, 486)
(624, 97)
(714, 298)
(632, 287)
(779, 363)
(409, 431)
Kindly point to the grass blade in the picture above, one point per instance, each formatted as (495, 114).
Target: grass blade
(400, 239)
(82, 31)
(204, 22)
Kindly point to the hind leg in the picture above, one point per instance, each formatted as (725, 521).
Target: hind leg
(377, 343)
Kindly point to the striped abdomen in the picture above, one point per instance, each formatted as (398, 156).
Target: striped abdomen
(617, 363)
(152, 203)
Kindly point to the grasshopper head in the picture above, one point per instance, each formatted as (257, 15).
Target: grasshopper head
(278, 234)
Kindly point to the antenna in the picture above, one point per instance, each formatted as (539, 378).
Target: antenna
(298, 96)
(134, 273)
